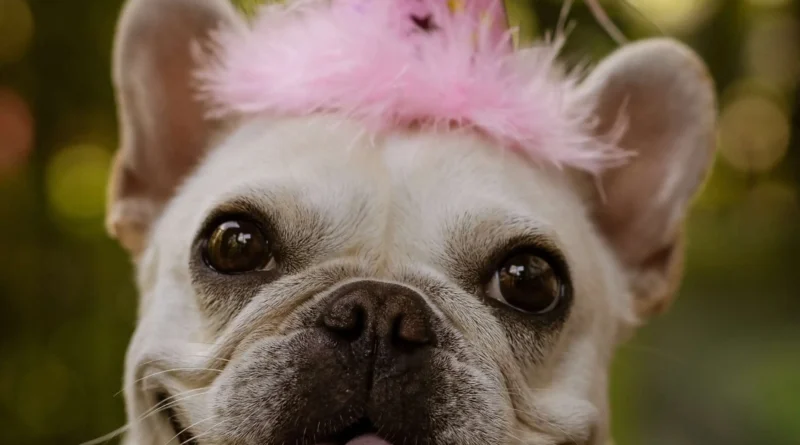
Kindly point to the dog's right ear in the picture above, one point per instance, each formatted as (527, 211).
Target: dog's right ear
(163, 132)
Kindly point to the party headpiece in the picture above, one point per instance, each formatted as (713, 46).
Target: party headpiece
(406, 63)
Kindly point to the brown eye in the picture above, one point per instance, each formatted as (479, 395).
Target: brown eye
(238, 247)
(527, 282)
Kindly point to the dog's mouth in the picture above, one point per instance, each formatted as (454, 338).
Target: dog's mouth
(181, 433)
(362, 432)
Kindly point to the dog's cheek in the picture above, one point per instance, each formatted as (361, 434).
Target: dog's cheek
(469, 404)
(237, 400)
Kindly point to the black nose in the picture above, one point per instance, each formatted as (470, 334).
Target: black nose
(374, 312)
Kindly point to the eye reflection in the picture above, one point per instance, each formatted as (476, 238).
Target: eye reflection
(238, 246)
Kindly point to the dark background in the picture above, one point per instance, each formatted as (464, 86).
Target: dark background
(723, 367)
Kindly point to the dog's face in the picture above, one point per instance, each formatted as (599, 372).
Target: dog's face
(303, 282)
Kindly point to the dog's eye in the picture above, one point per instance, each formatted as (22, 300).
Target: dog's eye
(527, 282)
(238, 247)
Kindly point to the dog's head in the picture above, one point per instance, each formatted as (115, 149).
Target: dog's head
(303, 283)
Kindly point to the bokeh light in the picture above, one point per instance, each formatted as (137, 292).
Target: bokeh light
(753, 132)
(16, 29)
(76, 181)
(674, 16)
(16, 130)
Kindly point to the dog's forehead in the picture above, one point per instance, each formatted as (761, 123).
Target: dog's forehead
(462, 173)
(420, 183)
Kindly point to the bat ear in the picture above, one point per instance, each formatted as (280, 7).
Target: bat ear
(668, 98)
(163, 130)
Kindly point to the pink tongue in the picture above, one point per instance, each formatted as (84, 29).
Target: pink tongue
(368, 439)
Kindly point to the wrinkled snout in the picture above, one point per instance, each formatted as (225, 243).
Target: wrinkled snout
(374, 364)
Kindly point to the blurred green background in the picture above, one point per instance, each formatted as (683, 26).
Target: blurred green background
(723, 367)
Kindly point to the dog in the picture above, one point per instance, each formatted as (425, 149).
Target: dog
(302, 282)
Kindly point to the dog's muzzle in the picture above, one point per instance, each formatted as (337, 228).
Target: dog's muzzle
(371, 362)
(386, 331)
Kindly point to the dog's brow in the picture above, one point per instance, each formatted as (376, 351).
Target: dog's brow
(261, 203)
(238, 206)
(500, 227)
(475, 241)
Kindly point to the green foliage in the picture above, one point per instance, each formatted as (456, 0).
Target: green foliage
(248, 7)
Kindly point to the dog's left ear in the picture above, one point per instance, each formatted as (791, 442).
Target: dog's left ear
(664, 92)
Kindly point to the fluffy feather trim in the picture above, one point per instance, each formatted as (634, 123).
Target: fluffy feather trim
(393, 66)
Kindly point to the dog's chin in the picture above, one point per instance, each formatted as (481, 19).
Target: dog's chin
(361, 432)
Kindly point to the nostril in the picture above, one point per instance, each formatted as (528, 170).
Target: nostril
(410, 331)
(347, 322)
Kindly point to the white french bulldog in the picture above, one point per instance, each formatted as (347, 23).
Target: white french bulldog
(302, 283)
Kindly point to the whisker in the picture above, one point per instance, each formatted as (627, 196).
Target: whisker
(513, 436)
(188, 428)
(166, 403)
(206, 433)
(159, 407)
(165, 372)
(105, 438)
(150, 362)
(243, 422)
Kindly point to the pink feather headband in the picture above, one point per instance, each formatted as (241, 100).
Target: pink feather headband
(405, 63)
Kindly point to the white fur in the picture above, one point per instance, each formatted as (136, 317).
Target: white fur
(387, 209)
(414, 187)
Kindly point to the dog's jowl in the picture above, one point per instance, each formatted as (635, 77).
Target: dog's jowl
(378, 234)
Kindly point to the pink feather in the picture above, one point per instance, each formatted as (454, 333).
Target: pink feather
(367, 60)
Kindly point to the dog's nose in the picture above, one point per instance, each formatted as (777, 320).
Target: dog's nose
(390, 314)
